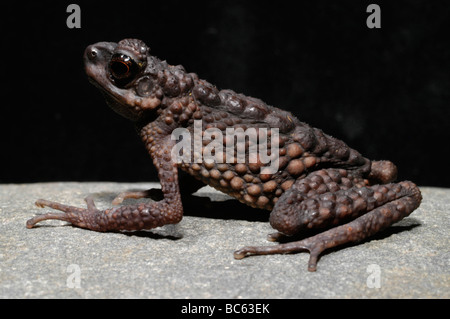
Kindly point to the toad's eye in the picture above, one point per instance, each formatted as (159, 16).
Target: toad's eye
(123, 68)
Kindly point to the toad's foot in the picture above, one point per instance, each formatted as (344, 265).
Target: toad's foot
(133, 217)
(360, 228)
(70, 214)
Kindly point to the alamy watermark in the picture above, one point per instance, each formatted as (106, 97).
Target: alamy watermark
(253, 145)
(74, 278)
(374, 278)
(373, 21)
(73, 20)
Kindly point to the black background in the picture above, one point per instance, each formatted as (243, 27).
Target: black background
(385, 92)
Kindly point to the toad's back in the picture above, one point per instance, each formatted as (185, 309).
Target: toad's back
(267, 148)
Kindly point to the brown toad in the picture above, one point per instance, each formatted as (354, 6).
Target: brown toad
(318, 181)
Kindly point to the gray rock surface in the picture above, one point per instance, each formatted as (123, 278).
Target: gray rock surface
(194, 259)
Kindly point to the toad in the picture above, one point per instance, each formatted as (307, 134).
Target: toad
(261, 155)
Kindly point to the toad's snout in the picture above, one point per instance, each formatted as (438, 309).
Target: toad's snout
(98, 53)
(96, 57)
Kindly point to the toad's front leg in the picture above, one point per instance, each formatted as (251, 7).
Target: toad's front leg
(133, 217)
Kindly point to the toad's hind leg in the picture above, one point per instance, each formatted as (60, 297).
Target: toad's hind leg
(372, 208)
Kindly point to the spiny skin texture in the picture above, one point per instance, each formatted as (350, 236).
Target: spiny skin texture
(320, 183)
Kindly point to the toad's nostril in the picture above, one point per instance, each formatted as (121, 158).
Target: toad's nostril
(91, 52)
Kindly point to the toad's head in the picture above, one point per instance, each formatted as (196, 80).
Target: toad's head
(133, 81)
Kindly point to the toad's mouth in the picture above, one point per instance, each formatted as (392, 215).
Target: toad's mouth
(120, 101)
